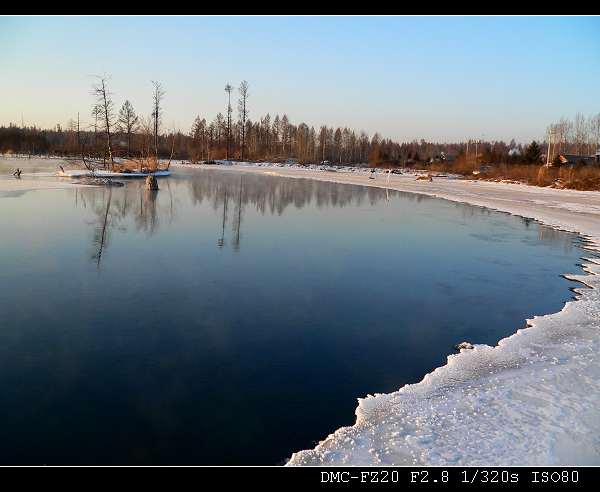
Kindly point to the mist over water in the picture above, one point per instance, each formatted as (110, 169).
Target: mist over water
(235, 318)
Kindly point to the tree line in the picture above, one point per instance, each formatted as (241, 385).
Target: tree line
(124, 133)
(578, 136)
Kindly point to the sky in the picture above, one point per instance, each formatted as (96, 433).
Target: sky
(438, 78)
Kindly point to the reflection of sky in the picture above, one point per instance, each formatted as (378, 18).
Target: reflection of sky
(320, 304)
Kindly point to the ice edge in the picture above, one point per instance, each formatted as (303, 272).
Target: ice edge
(533, 399)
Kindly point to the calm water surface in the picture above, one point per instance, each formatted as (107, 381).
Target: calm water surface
(235, 319)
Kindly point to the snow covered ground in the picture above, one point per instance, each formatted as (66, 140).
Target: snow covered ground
(534, 399)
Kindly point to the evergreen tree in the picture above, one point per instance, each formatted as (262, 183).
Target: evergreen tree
(533, 152)
(127, 122)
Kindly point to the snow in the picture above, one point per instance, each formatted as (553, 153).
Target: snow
(32, 181)
(534, 399)
(77, 173)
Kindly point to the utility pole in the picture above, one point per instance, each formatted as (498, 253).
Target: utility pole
(550, 135)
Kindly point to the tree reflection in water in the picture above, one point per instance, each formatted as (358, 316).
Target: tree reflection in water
(112, 207)
(145, 210)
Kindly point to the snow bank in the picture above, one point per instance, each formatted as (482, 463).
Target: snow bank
(534, 399)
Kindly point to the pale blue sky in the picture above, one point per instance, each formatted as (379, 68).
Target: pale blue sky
(441, 78)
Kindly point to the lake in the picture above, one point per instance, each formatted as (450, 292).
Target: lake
(232, 318)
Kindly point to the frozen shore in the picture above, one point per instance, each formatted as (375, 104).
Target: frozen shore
(534, 399)
(10, 186)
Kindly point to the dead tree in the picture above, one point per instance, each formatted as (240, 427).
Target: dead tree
(105, 107)
(243, 112)
(95, 114)
(156, 113)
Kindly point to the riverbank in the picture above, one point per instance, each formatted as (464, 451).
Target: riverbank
(533, 399)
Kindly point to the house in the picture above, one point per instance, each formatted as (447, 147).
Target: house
(483, 169)
(447, 157)
(572, 159)
(442, 157)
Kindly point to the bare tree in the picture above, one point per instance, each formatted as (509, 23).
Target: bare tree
(228, 90)
(78, 133)
(564, 129)
(323, 141)
(128, 122)
(156, 112)
(96, 115)
(243, 112)
(146, 132)
(595, 131)
(580, 132)
(173, 134)
(219, 123)
(105, 108)
(198, 135)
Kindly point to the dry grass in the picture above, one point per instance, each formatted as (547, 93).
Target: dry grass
(460, 166)
(568, 177)
(147, 164)
(581, 178)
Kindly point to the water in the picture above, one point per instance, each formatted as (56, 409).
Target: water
(235, 319)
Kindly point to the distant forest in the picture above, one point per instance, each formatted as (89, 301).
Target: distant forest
(124, 133)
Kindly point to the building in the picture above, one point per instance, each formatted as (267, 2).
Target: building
(442, 157)
(572, 159)
(514, 152)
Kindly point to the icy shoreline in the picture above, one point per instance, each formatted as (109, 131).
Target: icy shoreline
(10, 186)
(534, 399)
